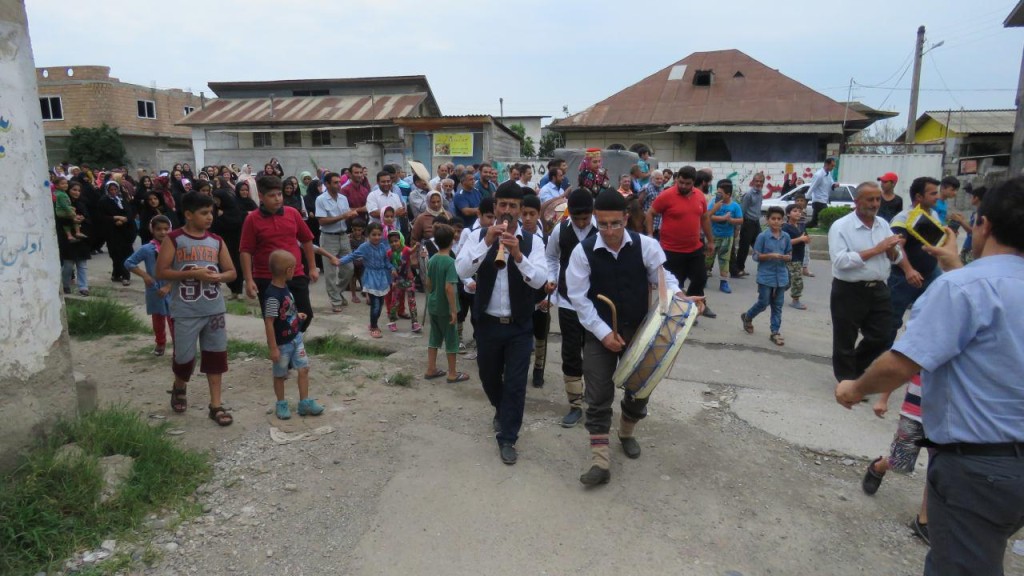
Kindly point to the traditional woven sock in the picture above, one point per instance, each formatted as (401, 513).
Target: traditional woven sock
(626, 427)
(540, 348)
(599, 450)
(574, 390)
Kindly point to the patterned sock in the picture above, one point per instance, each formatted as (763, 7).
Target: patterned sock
(574, 390)
(540, 348)
(626, 427)
(599, 452)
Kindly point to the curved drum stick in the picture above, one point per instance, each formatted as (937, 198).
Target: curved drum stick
(615, 314)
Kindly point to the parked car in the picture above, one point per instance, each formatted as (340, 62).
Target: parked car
(840, 196)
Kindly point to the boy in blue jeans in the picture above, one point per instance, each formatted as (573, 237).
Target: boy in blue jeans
(772, 250)
(284, 339)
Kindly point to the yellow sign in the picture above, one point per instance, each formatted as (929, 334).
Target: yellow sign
(453, 144)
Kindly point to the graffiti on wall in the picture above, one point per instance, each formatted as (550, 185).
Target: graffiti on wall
(741, 173)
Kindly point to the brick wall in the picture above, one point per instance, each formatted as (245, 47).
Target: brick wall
(90, 96)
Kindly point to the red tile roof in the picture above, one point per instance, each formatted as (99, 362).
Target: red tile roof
(306, 109)
(742, 91)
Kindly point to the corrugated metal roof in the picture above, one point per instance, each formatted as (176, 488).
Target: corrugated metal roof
(976, 121)
(742, 91)
(762, 128)
(306, 109)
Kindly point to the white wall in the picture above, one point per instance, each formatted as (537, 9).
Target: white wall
(857, 168)
(741, 173)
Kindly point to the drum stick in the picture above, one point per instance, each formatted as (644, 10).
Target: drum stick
(615, 314)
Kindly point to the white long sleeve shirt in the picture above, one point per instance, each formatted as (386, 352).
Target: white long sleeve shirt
(533, 269)
(849, 236)
(554, 255)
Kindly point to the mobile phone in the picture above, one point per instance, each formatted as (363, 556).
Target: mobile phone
(929, 232)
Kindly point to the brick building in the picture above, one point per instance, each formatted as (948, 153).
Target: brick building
(89, 96)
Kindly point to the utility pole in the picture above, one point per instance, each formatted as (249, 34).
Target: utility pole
(915, 87)
(501, 103)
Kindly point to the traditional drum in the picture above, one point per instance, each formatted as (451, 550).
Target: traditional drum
(553, 212)
(653, 350)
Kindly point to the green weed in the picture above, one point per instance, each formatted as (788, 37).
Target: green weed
(89, 319)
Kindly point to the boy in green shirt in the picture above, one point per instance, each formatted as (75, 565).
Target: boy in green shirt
(443, 306)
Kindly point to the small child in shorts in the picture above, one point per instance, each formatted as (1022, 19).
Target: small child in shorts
(443, 306)
(284, 339)
(197, 262)
(158, 299)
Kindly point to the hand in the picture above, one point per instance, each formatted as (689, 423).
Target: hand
(709, 249)
(302, 315)
(880, 407)
(888, 243)
(275, 354)
(334, 260)
(550, 287)
(314, 274)
(946, 254)
(914, 278)
(545, 305)
(847, 394)
(164, 290)
(614, 342)
(493, 232)
(250, 289)
(471, 286)
(79, 218)
(400, 212)
(807, 239)
(207, 275)
(956, 217)
(698, 300)
(148, 281)
(509, 241)
(453, 318)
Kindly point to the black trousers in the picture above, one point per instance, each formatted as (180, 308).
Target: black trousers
(749, 231)
(600, 391)
(688, 265)
(818, 207)
(120, 248)
(503, 361)
(299, 287)
(573, 335)
(858, 309)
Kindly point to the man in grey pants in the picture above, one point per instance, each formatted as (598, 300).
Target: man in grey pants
(966, 336)
(332, 211)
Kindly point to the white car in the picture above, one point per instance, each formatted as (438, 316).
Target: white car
(842, 195)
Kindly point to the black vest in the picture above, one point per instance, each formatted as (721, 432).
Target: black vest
(623, 281)
(567, 241)
(522, 294)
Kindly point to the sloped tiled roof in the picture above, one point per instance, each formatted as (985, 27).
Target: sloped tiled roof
(742, 91)
(975, 121)
(306, 109)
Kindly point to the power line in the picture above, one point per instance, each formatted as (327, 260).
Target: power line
(943, 80)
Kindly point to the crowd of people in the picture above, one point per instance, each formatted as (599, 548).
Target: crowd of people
(502, 255)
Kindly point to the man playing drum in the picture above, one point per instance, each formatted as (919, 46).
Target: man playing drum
(620, 265)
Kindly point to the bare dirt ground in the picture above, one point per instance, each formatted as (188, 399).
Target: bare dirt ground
(748, 467)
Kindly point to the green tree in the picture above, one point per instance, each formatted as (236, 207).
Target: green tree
(526, 148)
(548, 143)
(97, 146)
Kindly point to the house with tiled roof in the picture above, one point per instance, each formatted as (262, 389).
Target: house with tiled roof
(718, 106)
(973, 141)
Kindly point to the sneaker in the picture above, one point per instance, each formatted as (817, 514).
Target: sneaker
(471, 355)
(393, 326)
(920, 529)
(723, 285)
(462, 347)
(309, 407)
(798, 305)
(572, 418)
(282, 411)
(158, 351)
(416, 327)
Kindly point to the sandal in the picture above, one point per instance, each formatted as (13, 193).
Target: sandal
(355, 299)
(748, 324)
(777, 339)
(375, 333)
(435, 374)
(179, 399)
(459, 377)
(220, 416)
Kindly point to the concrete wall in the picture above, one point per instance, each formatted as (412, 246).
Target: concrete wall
(531, 125)
(36, 383)
(742, 172)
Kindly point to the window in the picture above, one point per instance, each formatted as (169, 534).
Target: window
(262, 140)
(292, 139)
(51, 108)
(702, 78)
(357, 135)
(321, 137)
(147, 108)
(189, 110)
(310, 92)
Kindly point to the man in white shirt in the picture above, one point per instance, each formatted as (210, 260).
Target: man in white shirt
(503, 309)
(620, 265)
(564, 238)
(383, 196)
(862, 248)
(332, 210)
(820, 189)
(435, 182)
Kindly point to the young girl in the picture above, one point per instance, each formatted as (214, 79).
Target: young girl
(377, 272)
(387, 219)
(158, 300)
(404, 260)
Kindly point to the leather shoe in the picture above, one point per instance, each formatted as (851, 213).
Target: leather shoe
(508, 454)
(708, 313)
(631, 447)
(572, 418)
(538, 378)
(872, 480)
(596, 475)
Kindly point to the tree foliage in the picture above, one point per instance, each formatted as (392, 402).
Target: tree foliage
(548, 143)
(97, 146)
(527, 149)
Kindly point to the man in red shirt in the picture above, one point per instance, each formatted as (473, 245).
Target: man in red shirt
(356, 189)
(684, 214)
(276, 227)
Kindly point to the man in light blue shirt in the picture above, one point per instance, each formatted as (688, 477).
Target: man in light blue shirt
(966, 336)
(821, 187)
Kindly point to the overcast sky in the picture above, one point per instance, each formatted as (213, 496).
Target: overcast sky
(540, 56)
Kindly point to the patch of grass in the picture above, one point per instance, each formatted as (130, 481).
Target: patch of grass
(101, 292)
(339, 349)
(403, 379)
(92, 318)
(49, 506)
(237, 347)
